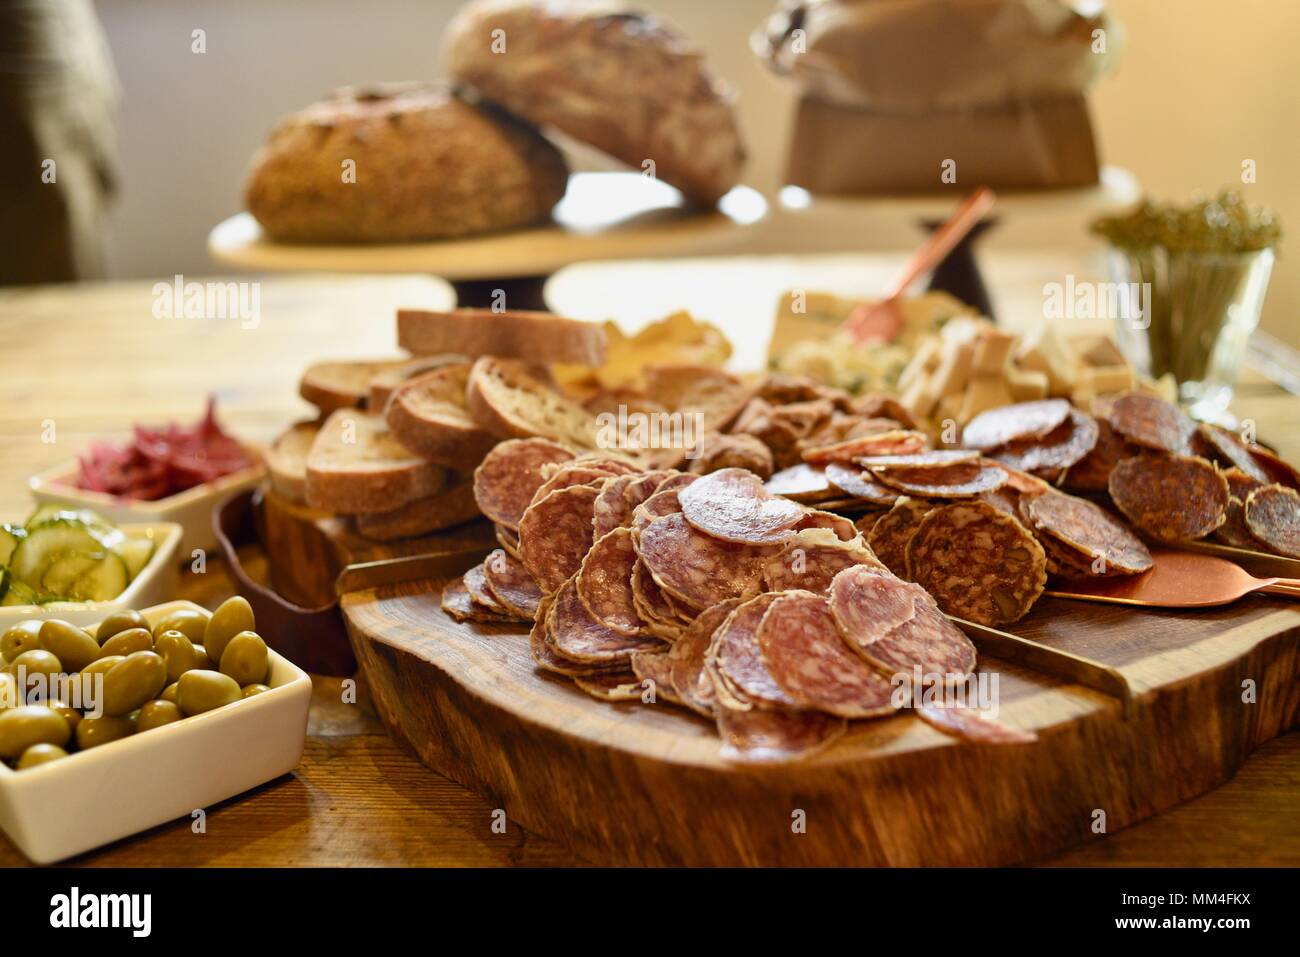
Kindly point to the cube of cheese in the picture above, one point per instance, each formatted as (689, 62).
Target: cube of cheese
(918, 398)
(924, 360)
(1102, 352)
(1044, 350)
(984, 393)
(992, 350)
(1103, 379)
(954, 368)
(1026, 385)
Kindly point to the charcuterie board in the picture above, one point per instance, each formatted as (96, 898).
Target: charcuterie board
(638, 783)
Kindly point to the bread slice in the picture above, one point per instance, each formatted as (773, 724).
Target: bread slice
(452, 506)
(355, 467)
(428, 415)
(342, 385)
(513, 401)
(384, 384)
(286, 461)
(535, 336)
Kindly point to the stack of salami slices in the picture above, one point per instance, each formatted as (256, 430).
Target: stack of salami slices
(770, 617)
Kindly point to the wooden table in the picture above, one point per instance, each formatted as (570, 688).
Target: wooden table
(93, 360)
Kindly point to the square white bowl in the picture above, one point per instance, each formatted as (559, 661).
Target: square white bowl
(90, 798)
(154, 584)
(191, 509)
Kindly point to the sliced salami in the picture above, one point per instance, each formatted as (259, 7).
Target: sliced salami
(802, 650)
(1089, 529)
(1273, 516)
(868, 603)
(656, 668)
(890, 534)
(733, 506)
(644, 485)
(965, 480)
(580, 637)
(841, 527)
(1234, 531)
(698, 568)
(1172, 497)
(1066, 445)
(860, 483)
(919, 461)
(969, 725)
(656, 506)
(508, 539)
(978, 563)
(1092, 472)
(614, 686)
(736, 662)
(676, 481)
(801, 483)
(811, 560)
(1232, 450)
(507, 478)
(610, 510)
(775, 736)
(541, 644)
(652, 605)
(693, 685)
(1283, 473)
(1151, 422)
(476, 584)
(569, 475)
(1024, 420)
(458, 604)
(511, 585)
(604, 583)
(893, 442)
(555, 534)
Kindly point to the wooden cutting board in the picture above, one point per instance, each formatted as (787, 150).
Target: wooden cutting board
(636, 783)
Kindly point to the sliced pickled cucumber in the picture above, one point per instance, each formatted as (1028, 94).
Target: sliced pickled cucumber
(106, 580)
(10, 536)
(135, 552)
(62, 573)
(16, 593)
(43, 543)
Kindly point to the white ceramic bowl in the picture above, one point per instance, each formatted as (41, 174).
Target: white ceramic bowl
(191, 509)
(156, 583)
(56, 810)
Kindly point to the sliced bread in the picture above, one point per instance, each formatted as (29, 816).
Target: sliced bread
(512, 400)
(452, 506)
(356, 467)
(428, 415)
(286, 461)
(535, 336)
(342, 385)
(384, 384)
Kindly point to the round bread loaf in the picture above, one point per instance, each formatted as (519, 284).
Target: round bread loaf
(620, 81)
(427, 165)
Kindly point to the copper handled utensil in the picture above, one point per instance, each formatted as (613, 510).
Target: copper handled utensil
(1178, 579)
(883, 320)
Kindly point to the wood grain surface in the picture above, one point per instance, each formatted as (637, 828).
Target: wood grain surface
(93, 359)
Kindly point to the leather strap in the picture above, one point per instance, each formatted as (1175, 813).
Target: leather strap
(315, 639)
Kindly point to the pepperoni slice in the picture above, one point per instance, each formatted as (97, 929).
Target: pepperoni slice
(775, 736)
(1089, 529)
(604, 583)
(1173, 497)
(698, 568)
(1273, 516)
(509, 475)
(1151, 422)
(555, 534)
(1023, 420)
(580, 637)
(802, 650)
(732, 505)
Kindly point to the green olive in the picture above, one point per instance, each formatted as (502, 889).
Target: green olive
(169, 693)
(200, 691)
(30, 724)
(91, 688)
(119, 622)
(32, 663)
(73, 647)
(154, 714)
(24, 636)
(231, 617)
(8, 690)
(70, 714)
(178, 651)
(92, 732)
(131, 682)
(190, 621)
(245, 658)
(250, 690)
(40, 754)
(127, 642)
(201, 659)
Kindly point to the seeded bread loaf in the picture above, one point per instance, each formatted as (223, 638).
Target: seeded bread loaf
(356, 467)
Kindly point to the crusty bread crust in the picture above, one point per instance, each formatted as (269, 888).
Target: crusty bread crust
(512, 401)
(453, 506)
(286, 461)
(356, 467)
(621, 81)
(518, 334)
(335, 385)
(428, 415)
(427, 166)
(385, 383)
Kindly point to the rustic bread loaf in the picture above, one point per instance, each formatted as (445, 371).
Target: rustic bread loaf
(616, 79)
(512, 399)
(355, 467)
(429, 416)
(535, 336)
(400, 164)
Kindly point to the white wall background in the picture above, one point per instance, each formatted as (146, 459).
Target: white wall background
(1203, 85)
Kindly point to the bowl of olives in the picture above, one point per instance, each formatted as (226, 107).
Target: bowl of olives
(141, 718)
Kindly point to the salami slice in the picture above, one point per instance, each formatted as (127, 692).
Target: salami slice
(1283, 473)
(692, 684)
(652, 605)
(1151, 422)
(569, 475)
(1066, 445)
(1273, 516)
(506, 479)
(508, 538)
(654, 669)
(860, 483)
(732, 505)
(657, 505)
(919, 461)
(610, 510)
(977, 562)
(555, 534)
(1024, 420)
(511, 585)
(676, 481)
(969, 725)
(698, 568)
(597, 460)
(1234, 531)
(1233, 450)
(604, 583)
(966, 480)
(580, 637)
(1089, 529)
(893, 530)
(1173, 497)
(841, 527)
(458, 604)
(801, 483)
(736, 662)
(927, 640)
(802, 650)
(614, 686)
(1066, 561)
(893, 442)
(645, 485)
(476, 584)
(1092, 472)
(541, 644)
(775, 736)
(811, 560)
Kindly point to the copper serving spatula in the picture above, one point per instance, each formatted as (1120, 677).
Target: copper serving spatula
(1178, 579)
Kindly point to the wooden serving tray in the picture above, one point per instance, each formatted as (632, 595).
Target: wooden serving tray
(636, 783)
